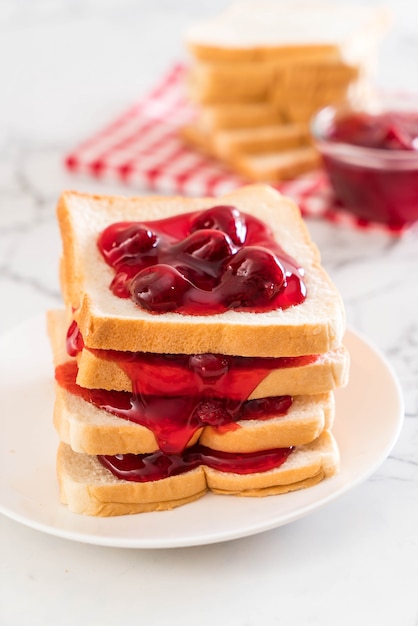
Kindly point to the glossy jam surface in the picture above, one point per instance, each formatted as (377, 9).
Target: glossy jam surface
(215, 395)
(381, 186)
(156, 466)
(201, 263)
(74, 339)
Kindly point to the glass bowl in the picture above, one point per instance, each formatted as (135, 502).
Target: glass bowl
(371, 157)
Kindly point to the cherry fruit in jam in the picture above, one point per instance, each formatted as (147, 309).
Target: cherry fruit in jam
(224, 218)
(127, 243)
(159, 288)
(201, 263)
(253, 276)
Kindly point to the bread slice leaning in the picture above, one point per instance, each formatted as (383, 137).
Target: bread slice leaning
(88, 487)
(107, 322)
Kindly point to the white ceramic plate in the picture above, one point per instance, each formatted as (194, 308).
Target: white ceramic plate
(369, 418)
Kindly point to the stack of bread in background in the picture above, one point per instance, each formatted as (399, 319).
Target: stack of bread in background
(98, 331)
(260, 70)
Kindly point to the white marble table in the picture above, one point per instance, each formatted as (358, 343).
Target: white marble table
(65, 68)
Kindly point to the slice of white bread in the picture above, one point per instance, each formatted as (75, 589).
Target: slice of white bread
(276, 166)
(228, 143)
(89, 429)
(87, 487)
(107, 322)
(306, 466)
(243, 115)
(256, 155)
(265, 30)
(327, 372)
(95, 431)
(211, 83)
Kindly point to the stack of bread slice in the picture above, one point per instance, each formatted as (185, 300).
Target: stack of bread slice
(220, 394)
(260, 70)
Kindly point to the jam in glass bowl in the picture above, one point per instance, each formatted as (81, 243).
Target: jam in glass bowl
(371, 157)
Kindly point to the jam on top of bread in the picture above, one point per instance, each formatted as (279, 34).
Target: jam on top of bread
(201, 263)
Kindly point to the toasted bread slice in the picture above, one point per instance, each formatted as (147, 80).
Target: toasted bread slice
(107, 322)
(87, 487)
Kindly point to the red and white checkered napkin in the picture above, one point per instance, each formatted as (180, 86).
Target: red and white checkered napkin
(142, 148)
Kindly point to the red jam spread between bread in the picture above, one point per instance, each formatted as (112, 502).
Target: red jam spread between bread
(201, 263)
(214, 393)
(156, 466)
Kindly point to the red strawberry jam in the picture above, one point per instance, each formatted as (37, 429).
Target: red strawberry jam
(201, 263)
(156, 466)
(372, 162)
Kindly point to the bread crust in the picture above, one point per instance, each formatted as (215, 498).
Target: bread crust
(107, 322)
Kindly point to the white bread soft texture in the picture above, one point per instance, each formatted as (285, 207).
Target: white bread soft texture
(87, 487)
(107, 322)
